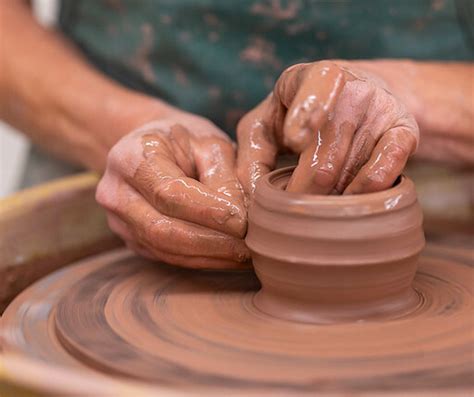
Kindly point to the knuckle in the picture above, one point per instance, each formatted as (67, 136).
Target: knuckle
(220, 146)
(159, 231)
(398, 153)
(114, 227)
(246, 123)
(109, 193)
(296, 68)
(284, 75)
(325, 177)
(103, 196)
(297, 141)
(413, 137)
(208, 124)
(288, 78)
(165, 194)
(116, 157)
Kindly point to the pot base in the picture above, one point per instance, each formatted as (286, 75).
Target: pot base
(324, 294)
(394, 307)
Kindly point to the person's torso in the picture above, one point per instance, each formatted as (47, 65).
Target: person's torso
(218, 58)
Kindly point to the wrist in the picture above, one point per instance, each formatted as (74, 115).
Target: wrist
(129, 110)
(113, 115)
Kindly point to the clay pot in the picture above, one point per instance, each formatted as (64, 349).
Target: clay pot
(326, 259)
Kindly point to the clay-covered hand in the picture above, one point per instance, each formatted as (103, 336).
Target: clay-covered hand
(171, 192)
(352, 134)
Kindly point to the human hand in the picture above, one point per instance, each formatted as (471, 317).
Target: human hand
(172, 194)
(352, 134)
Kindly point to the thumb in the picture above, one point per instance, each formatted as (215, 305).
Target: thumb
(257, 149)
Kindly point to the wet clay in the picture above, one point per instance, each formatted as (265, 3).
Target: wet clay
(177, 176)
(121, 315)
(352, 134)
(172, 194)
(327, 259)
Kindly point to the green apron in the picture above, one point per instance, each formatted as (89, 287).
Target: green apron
(218, 58)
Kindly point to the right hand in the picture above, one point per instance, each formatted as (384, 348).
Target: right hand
(172, 194)
(352, 134)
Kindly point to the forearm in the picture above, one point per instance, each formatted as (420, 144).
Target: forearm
(440, 96)
(49, 92)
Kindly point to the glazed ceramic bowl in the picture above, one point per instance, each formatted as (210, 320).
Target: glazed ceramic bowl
(326, 259)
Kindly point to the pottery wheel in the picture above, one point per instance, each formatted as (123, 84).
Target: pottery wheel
(121, 315)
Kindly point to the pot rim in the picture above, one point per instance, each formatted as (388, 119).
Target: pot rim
(273, 198)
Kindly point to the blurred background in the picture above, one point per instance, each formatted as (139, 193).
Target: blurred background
(14, 147)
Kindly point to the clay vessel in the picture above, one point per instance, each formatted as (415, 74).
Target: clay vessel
(327, 259)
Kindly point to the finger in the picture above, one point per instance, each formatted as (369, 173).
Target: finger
(379, 116)
(203, 263)
(257, 148)
(362, 146)
(320, 165)
(161, 180)
(215, 164)
(386, 162)
(119, 227)
(174, 238)
(260, 132)
(319, 87)
(140, 250)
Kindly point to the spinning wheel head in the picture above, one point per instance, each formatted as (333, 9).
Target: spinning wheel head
(125, 317)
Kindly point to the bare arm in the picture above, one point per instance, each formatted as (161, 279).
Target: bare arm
(169, 188)
(54, 96)
(441, 97)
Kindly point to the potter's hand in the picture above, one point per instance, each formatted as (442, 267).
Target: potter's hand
(352, 134)
(171, 193)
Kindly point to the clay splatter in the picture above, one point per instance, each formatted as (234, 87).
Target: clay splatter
(213, 36)
(261, 52)
(140, 60)
(115, 5)
(214, 92)
(184, 36)
(437, 5)
(180, 77)
(296, 28)
(211, 20)
(276, 10)
(165, 19)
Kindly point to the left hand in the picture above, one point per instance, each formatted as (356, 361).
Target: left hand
(353, 135)
(171, 192)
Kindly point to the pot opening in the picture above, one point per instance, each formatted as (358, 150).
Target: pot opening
(280, 181)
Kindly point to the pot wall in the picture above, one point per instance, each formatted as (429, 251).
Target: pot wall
(334, 258)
